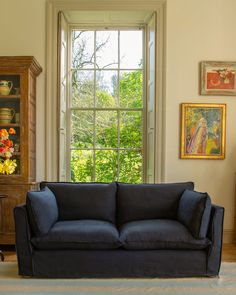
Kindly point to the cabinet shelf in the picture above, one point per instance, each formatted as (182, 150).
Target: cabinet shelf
(10, 96)
(9, 125)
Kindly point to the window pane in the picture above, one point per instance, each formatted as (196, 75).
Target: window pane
(106, 165)
(107, 49)
(130, 167)
(106, 129)
(82, 88)
(131, 49)
(82, 49)
(81, 165)
(107, 81)
(131, 129)
(82, 129)
(106, 89)
(131, 89)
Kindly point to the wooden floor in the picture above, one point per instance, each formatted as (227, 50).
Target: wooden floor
(229, 253)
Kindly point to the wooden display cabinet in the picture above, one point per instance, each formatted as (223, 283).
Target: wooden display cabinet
(18, 77)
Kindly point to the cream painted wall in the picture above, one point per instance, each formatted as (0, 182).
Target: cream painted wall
(200, 30)
(196, 30)
(23, 24)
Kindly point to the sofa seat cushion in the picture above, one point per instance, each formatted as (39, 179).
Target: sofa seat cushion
(79, 234)
(159, 234)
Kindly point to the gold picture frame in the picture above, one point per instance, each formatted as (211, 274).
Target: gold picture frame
(203, 131)
(218, 78)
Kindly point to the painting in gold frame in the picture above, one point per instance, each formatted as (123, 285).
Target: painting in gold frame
(202, 131)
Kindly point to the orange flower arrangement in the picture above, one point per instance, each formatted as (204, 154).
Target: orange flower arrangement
(7, 166)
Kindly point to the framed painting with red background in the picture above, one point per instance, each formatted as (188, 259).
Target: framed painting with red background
(218, 78)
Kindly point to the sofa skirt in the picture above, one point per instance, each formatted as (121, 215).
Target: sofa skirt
(118, 263)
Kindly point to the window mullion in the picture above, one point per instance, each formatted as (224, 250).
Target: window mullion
(118, 145)
(106, 149)
(94, 145)
(94, 109)
(118, 112)
(107, 109)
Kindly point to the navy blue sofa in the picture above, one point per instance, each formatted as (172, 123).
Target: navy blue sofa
(94, 230)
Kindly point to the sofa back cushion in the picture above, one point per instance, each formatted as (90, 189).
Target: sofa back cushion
(194, 212)
(149, 201)
(84, 200)
(42, 209)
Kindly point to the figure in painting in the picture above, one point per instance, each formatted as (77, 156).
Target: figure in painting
(198, 140)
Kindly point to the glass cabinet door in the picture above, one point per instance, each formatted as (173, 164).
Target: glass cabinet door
(10, 116)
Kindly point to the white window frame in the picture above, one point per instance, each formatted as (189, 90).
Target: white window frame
(118, 109)
(51, 106)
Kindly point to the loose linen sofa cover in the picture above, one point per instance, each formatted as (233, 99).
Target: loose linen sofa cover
(120, 230)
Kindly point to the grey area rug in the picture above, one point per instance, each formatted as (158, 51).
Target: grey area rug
(11, 283)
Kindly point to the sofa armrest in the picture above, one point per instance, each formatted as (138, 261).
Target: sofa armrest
(215, 234)
(24, 248)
